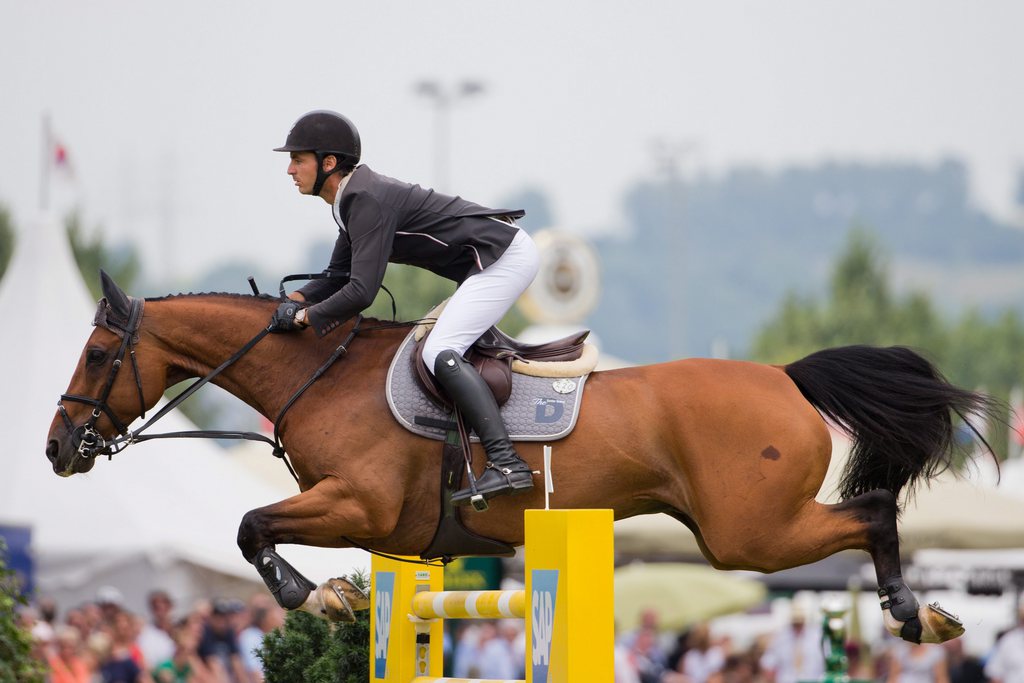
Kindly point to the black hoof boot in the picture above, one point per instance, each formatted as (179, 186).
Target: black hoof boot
(289, 587)
(898, 599)
(498, 481)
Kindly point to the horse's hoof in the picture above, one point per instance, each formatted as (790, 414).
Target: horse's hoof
(357, 599)
(329, 602)
(338, 599)
(937, 625)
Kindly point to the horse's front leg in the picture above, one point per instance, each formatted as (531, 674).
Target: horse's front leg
(320, 516)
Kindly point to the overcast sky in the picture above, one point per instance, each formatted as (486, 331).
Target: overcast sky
(169, 110)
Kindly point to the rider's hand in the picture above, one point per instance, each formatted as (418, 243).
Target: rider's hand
(284, 320)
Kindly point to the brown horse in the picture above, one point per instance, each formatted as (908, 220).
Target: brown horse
(734, 450)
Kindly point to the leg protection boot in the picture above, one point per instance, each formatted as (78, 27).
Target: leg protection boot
(289, 587)
(506, 472)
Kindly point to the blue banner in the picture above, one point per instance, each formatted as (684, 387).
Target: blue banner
(18, 556)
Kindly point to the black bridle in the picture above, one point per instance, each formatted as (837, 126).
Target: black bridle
(87, 441)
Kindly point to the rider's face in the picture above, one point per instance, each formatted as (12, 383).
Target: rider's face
(302, 169)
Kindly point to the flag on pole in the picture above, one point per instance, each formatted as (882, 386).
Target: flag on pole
(59, 158)
(56, 162)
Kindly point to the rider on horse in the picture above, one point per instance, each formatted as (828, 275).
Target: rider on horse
(382, 220)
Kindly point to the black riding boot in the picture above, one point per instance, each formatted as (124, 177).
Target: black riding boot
(505, 472)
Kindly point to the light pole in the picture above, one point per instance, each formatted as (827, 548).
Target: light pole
(443, 98)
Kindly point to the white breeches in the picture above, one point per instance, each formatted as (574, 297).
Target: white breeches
(483, 299)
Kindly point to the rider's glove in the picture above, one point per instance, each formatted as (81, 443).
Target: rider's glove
(284, 320)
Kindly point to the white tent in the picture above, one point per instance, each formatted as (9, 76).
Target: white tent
(162, 514)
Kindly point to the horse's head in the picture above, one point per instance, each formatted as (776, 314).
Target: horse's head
(110, 388)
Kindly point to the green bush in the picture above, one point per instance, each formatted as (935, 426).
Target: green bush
(311, 650)
(16, 662)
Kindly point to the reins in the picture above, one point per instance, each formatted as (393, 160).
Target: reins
(90, 444)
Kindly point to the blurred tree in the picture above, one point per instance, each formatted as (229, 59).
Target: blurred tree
(122, 263)
(16, 661)
(861, 308)
(6, 239)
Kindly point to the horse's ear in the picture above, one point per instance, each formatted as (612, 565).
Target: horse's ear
(116, 298)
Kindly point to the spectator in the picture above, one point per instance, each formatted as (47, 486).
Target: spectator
(114, 652)
(679, 649)
(76, 619)
(737, 668)
(703, 658)
(47, 607)
(467, 651)
(644, 656)
(265, 616)
(917, 663)
(218, 646)
(67, 663)
(1006, 663)
(185, 665)
(109, 601)
(858, 660)
(155, 637)
(124, 662)
(625, 669)
(649, 623)
(963, 668)
(497, 654)
(796, 652)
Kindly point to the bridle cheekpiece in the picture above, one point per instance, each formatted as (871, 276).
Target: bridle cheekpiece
(87, 441)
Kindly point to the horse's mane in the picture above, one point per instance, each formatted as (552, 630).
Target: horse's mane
(229, 295)
(263, 297)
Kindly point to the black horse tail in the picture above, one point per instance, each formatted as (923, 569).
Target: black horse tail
(898, 409)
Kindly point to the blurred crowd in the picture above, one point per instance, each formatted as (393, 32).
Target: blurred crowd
(214, 641)
(101, 641)
(797, 652)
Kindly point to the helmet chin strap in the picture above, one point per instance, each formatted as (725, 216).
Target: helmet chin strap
(321, 174)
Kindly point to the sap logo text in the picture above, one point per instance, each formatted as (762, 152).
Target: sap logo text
(542, 620)
(385, 590)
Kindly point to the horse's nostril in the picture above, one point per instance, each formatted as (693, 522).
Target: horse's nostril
(52, 449)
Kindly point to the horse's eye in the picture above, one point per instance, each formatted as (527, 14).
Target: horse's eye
(95, 356)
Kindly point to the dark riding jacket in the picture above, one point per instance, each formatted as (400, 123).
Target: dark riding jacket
(382, 220)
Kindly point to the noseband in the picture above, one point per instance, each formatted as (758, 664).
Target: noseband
(88, 442)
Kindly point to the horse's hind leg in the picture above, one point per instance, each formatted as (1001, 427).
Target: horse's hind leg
(902, 614)
(865, 522)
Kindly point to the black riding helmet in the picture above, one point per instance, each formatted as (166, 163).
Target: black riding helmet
(324, 132)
